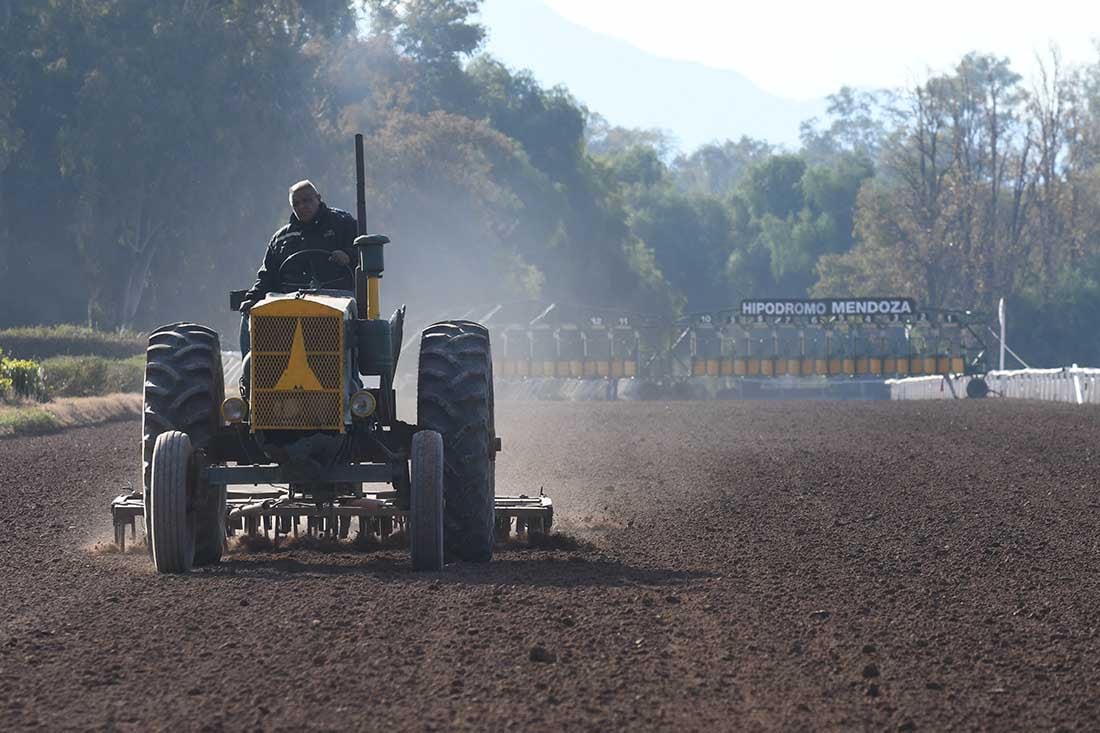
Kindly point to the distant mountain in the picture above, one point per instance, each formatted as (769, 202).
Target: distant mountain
(630, 87)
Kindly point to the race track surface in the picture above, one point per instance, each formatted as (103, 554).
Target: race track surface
(752, 566)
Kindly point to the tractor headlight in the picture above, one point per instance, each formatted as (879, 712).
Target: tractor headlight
(363, 404)
(234, 410)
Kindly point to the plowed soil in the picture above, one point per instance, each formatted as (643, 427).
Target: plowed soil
(908, 566)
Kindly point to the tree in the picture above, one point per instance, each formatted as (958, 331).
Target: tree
(154, 117)
(717, 169)
(946, 216)
(436, 35)
(857, 126)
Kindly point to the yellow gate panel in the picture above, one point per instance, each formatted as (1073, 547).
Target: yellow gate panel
(712, 367)
(522, 368)
(740, 366)
(726, 369)
(943, 364)
(617, 370)
(863, 366)
(591, 370)
(890, 365)
(821, 367)
(753, 367)
(874, 366)
(849, 366)
(929, 365)
(630, 368)
(958, 365)
(698, 367)
(767, 367)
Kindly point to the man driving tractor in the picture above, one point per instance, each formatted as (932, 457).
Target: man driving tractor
(313, 225)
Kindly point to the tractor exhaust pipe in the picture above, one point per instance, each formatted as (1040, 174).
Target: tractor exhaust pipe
(361, 221)
(360, 186)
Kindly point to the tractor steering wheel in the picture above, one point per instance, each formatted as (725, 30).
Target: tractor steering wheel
(311, 255)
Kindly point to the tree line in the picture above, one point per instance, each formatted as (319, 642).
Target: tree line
(146, 150)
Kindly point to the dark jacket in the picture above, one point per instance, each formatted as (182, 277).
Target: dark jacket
(330, 230)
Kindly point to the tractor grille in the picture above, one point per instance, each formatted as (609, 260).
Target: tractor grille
(297, 372)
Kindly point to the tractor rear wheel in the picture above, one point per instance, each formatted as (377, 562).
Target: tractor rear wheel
(184, 387)
(170, 516)
(455, 399)
(977, 388)
(209, 524)
(426, 499)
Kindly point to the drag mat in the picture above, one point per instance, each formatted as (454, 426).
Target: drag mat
(890, 565)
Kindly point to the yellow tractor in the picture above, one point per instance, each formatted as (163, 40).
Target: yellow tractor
(308, 442)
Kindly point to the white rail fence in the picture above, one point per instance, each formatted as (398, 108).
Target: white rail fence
(1066, 384)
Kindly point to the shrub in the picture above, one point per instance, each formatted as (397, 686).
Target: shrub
(24, 378)
(86, 376)
(42, 342)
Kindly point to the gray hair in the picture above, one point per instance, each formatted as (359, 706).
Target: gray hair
(300, 185)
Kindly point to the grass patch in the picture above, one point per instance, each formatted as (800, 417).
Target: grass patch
(27, 421)
(88, 376)
(43, 342)
(29, 418)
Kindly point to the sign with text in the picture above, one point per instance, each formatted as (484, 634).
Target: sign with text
(829, 307)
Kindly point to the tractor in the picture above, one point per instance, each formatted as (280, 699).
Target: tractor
(306, 440)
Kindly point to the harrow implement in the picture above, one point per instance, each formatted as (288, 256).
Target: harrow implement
(276, 512)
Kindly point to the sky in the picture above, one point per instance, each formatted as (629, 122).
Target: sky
(802, 50)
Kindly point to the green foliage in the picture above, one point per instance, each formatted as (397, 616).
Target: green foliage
(691, 239)
(717, 169)
(774, 186)
(1057, 326)
(87, 376)
(22, 378)
(41, 342)
(856, 126)
(151, 144)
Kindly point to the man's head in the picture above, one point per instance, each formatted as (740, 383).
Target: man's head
(305, 200)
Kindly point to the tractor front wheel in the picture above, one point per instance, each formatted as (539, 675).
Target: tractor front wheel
(426, 511)
(171, 522)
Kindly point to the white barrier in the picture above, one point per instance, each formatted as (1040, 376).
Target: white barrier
(1066, 384)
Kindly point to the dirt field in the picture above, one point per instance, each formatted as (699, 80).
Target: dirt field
(908, 566)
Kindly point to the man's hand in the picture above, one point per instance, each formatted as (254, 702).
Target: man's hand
(340, 257)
